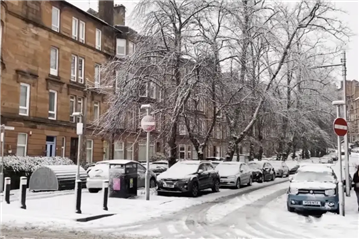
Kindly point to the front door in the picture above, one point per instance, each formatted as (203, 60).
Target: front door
(50, 146)
(73, 149)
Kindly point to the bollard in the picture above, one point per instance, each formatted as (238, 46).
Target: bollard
(105, 194)
(78, 196)
(23, 184)
(7, 189)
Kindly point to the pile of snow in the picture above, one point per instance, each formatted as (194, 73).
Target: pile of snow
(30, 164)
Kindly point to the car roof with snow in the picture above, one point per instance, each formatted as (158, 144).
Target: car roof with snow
(315, 168)
(231, 163)
(116, 161)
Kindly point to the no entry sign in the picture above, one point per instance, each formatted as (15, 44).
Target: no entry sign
(340, 126)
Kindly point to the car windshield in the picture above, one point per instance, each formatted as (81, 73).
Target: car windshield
(254, 166)
(228, 168)
(184, 168)
(308, 176)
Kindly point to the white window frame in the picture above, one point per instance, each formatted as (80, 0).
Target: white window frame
(121, 149)
(75, 28)
(54, 71)
(98, 39)
(182, 151)
(81, 74)
(55, 105)
(82, 32)
(27, 106)
(73, 99)
(96, 104)
(63, 147)
(89, 149)
(74, 62)
(120, 43)
(55, 26)
(130, 150)
(152, 85)
(80, 101)
(21, 145)
(97, 75)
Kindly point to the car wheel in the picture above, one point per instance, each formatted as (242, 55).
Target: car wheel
(250, 181)
(273, 177)
(238, 183)
(215, 187)
(290, 209)
(261, 179)
(152, 183)
(194, 190)
(93, 190)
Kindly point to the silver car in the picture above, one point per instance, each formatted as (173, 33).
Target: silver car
(234, 174)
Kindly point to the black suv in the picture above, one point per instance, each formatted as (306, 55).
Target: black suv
(190, 176)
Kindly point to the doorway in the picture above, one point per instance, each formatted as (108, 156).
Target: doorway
(50, 146)
(73, 149)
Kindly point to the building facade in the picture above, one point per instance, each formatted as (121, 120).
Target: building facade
(51, 58)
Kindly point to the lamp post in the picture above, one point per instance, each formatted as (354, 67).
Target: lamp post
(338, 103)
(148, 124)
(3, 128)
(78, 186)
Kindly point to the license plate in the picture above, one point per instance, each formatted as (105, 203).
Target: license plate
(170, 186)
(315, 203)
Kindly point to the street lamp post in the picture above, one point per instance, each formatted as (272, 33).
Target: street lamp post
(338, 103)
(148, 124)
(78, 183)
(3, 128)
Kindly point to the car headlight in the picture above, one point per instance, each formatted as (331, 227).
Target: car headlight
(293, 191)
(329, 192)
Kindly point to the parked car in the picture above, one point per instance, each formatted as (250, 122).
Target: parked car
(159, 167)
(263, 171)
(190, 176)
(234, 174)
(100, 172)
(281, 169)
(313, 188)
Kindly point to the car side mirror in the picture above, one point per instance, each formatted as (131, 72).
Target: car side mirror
(200, 171)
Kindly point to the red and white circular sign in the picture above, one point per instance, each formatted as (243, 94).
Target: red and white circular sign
(340, 126)
(148, 123)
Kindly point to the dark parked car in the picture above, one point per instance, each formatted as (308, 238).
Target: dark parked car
(190, 176)
(262, 171)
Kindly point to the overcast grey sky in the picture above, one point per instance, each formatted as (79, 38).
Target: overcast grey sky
(351, 19)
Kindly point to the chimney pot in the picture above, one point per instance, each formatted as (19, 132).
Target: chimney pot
(105, 10)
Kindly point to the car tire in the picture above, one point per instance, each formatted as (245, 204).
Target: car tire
(261, 179)
(215, 187)
(238, 184)
(194, 190)
(93, 190)
(250, 182)
(160, 193)
(290, 209)
(152, 183)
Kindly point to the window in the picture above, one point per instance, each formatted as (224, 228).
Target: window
(96, 111)
(182, 129)
(131, 48)
(152, 90)
(21, 144)
(24, 103)
(118, 150)
(75, 28)
(89, 150)
(79, 107)
(54, 61)
(63, 147)
(218, 132)
(82, 32)
(189, 151)
(55, 19)
(81, 67)
(182, 151)
(200, 105)
(52, 104)
(141, 113)
(106, 150)
(73, 67)
(98, 39)
(97, 75)
(72, 108)
(129, 153)
(120, 47)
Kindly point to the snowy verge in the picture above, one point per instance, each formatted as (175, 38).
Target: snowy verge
(220, 210)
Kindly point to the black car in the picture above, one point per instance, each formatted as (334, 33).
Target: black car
(262, 171)
(190, 176)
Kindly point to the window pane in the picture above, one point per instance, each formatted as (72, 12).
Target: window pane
(118, 155)
(89, 144)
(55, 17)
(52, 96)
(80, 71)
(118, 145)
(20, 151)
(23, 95)
(21, 139)
(53, 58)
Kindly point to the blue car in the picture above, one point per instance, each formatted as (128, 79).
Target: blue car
(313, 188)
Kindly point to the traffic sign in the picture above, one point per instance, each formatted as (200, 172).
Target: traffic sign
(340, 126)
(148, 123)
